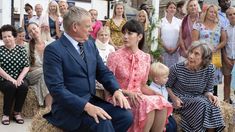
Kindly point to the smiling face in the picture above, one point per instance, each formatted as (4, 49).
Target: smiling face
(141, 17)
(119, 10)
(171, 10)
(195, 58)
(34, 31)
(63, 6)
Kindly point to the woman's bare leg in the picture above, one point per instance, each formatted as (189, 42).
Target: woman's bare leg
(149, 122)
(159, 120)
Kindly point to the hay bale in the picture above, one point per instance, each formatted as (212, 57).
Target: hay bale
(30, 106)
(228, 113)
(39, 124)
(177, 118)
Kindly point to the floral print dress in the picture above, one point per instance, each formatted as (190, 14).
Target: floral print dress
(116, 31)
(131, 70)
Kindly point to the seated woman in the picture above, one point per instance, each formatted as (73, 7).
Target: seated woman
(35, 76)
(20, 37)
(190, 87)
(14, 66)
(131, 67)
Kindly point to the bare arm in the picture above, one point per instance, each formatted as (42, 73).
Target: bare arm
(177, 102)
(223, 40)
(195, 35)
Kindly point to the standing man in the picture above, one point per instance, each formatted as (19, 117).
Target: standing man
(38, 18)
(71, 66)
(224, 5)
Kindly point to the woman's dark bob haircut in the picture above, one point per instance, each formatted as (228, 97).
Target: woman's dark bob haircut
(135, 26)
(6, 28)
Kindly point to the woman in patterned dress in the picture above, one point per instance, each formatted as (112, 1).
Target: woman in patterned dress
(116, 23)
(14, 66)
(131, 67)
(190, 87)
(53, 19)
(209, 31)
(35, 76)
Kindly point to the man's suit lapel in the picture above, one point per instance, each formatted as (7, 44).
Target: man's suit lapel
(74, 53)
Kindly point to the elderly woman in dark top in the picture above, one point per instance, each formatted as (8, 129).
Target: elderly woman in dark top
(14, 66)
(190, 87)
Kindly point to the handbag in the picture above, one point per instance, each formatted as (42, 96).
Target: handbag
(216, 56)
(217, 59)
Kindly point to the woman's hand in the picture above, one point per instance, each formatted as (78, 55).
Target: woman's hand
(135, 98)
(20, 81)
(177, 102)
(213, 99)
(13, 81)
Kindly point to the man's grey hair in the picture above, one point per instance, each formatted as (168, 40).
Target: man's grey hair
(206, 52)
(74, 15)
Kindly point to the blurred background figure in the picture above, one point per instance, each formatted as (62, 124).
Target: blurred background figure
(169, 35)
(63, 7)
(102, 43)
(29, 10)
(53, 16)
(20, 37)
(96, 24)
(38, 18)
(142, 17)
(191, 8)
(116, 23)
(179, 10)
(146, 8)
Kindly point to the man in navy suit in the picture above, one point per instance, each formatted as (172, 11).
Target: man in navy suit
(70, 74)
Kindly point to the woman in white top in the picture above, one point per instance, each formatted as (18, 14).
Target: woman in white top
(169, 35)
(102, 43)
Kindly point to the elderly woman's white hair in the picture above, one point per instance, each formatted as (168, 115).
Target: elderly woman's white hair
(185, 7)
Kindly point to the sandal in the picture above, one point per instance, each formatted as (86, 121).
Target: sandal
(5, 120)
(18, 119)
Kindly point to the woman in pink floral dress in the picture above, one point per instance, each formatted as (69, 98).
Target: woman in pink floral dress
(131, 67)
